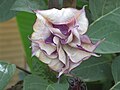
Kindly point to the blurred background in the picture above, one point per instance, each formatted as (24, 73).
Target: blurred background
(11, 49)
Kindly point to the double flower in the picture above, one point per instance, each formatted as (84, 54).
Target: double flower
(59, 38)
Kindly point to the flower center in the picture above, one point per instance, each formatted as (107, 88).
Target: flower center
(63, 28)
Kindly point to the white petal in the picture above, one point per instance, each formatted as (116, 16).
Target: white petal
(41, 31)
(56, 40)
(42, 57)
(48, 48)
(57, 32)
(62, 56)
(74, 65)
(56, 65)
(90, 46)
(65, 69)
(76, 39)
(63, 16)
(75, 54)
(82, 21)
(70, 38)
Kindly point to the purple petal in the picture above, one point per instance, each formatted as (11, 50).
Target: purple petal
(49, 39)
(85, 39)
(63, 28)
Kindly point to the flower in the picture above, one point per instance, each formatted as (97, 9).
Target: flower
(59, 38)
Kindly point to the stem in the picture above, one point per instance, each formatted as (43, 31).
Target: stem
(61, 3)
(23, 69)
(54, 4)
(69, 3)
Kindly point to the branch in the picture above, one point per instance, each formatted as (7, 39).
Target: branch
(23, 70)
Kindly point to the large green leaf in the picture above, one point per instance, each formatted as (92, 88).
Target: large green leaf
(116, 73)
(116, 86)
(25, 23)
(5, 12)
(99, 8)
(29, 5)
(33, 82)
(57, 86)
(81, 3)
(108, 27)
(94, 69)
(6, 73)
(116, 69)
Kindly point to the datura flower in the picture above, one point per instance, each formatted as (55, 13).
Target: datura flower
(59, 38)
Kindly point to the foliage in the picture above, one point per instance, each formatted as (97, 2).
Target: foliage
(6, 73)
(100, 73)
(5, 12)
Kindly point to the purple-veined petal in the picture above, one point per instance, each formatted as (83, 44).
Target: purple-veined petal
(63, 28)
(53, 55)
(49, 40)
(57, 32)
(48, 48)
(87, 43)
(85, 39)
(75, 54)
(76, 39)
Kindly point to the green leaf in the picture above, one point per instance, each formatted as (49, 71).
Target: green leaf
(81, 3)
(29, 5)
(116, 69)
(108, 27)
(99, 8)
(6, 73)
(5, 12)
(25, 23)
(94, 69)
(57, 86)
(116, 86)
(33, 82)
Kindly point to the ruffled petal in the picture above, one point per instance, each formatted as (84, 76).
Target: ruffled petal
(62, 56)
(65, 69)
(48, 48)
(56, 40)
(57, 32)
(56, 65)
(35, 48)
(75, 54)
(65, 15)
(42, 57)
(41, 31)
(76, 39)
(63, 28)
(87, 43)
(82, 21)
(74, 65)
(70, 38)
